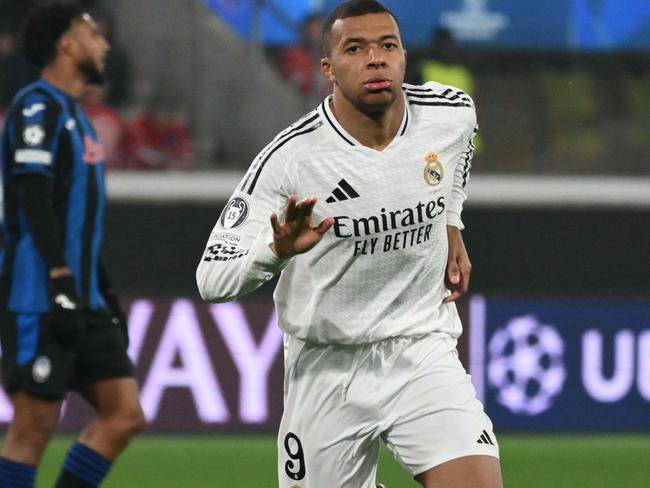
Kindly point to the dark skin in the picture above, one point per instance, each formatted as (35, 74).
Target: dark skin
(82, 43)
(296, 235)
(118, 412)
(366, 63)
(459, 267)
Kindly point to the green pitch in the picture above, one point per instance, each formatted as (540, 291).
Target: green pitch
(604, 461)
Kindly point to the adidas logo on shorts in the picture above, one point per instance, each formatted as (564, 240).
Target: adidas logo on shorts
(485, 439)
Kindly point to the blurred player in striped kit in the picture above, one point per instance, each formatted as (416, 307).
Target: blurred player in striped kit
(358, 206)
(61, 327)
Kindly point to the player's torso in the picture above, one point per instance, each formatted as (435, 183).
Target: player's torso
(381, 265)
(375, 197)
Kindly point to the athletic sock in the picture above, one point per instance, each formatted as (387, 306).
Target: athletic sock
(83, 468)
(17, 475)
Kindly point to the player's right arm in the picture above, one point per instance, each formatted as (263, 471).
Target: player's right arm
(263, 225)
(237, 257)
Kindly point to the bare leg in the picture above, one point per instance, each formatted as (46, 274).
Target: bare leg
(31, 428)
(119, 416)
(464, 472)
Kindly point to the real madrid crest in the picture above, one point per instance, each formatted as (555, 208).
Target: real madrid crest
(433, 171)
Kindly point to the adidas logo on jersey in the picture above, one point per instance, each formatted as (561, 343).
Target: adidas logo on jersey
(485, 439)
(342, 192)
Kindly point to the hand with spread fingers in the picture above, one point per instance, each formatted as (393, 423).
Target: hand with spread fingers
(459, 266)
(296, 235)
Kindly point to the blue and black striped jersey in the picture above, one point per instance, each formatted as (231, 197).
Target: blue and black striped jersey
(47, 133)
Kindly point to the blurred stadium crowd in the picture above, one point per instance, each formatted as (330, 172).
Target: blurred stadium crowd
(547, 110)
(135, 136)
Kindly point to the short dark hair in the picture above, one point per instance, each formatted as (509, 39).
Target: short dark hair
(351, 8)
(43, 28)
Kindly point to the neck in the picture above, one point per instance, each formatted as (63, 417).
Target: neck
(65, 78)
(374, 130)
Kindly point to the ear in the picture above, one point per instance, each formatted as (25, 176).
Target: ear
(65, 44)
(327, 69)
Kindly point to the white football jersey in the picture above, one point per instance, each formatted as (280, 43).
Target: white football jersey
(379, 271)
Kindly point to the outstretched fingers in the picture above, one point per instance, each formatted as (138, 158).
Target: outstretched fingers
(324, 226)
(303, 209)
(291, 211)
(274, 223)
(308, 206)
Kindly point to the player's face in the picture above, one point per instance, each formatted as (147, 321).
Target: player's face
(366, 61)
(89, 49)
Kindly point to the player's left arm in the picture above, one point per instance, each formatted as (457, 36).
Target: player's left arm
(33, 128)
(113, 306)
(459, 267)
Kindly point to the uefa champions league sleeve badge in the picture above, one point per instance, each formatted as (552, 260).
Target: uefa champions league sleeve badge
(235, 214)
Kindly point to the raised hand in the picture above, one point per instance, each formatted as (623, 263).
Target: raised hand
(295, 235)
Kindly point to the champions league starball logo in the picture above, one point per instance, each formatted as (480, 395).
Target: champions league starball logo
(526, 365)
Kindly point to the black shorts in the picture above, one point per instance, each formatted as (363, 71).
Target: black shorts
(33, 362)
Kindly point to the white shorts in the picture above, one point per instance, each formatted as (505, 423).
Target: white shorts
(413, 393)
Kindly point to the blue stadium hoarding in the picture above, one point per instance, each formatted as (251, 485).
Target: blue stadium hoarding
(562, 365)
(589, 25)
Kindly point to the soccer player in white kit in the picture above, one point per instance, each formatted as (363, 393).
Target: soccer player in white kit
(370, 187)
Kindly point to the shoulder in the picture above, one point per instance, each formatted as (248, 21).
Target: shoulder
(287, 146)
(433, 100)
(35, 104)
(294, 139)
(437, 103)
(35, 93)
(437, 95)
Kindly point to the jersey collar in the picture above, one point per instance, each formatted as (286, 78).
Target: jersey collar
(344, 136)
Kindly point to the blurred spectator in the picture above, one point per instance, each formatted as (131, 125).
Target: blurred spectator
(118, 66)
(157, 139)
(444, 64)
(14, 72)
(107, 123)
(300, 63)
(12, 13)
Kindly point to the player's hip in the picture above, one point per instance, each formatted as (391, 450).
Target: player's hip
(412, 392)
(368, 373)
(357, 328)
(34, 361)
